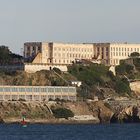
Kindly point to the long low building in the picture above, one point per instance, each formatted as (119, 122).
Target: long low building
(37, 93)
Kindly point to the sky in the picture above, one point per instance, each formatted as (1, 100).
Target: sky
(74, 21)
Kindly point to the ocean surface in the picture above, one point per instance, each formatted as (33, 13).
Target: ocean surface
(70, 132)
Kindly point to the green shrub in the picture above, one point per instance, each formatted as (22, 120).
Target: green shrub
(134, 54)
(62, 113)
(122, 87)
(124, 69)
(57, 70)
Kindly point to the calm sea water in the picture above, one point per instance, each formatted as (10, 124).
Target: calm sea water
(70, 132)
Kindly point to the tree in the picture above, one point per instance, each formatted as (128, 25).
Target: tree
(62, 113)
(122, 87)
(134, 54)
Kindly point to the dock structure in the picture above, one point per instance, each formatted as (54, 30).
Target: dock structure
(37, 93)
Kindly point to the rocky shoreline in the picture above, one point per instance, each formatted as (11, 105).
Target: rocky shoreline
(87, 113)
(41, 121)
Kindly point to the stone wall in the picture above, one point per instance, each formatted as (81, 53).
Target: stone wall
(32, 68)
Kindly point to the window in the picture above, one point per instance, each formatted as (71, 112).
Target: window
(28, 97)
(57, 89)
(50, 89)
(28, 48)
(106, 53)
(73, 90)
(22, 96)
(21, 89)
(33, 48)
(28, 89)
(39, 49)
(14, 89)
(65, 97)
(43, 90)
(1, 89)
(36, 90)
(6, 89)
(65, 89)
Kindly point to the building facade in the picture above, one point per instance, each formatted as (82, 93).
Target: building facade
(122, 51)
(37, 93)
(111, 53)
(48, 54)
(57, 53)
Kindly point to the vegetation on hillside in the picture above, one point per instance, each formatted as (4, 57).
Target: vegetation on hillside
(94, 77)
(7, 57)
(130, 68)
(62, 113)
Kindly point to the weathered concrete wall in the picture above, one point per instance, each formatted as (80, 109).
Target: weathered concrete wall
(32, 68)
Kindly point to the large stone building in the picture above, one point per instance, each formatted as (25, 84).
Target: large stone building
(112, 53)
(46, 55)
(57, 53)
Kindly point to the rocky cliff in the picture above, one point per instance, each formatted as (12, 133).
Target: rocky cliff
(42, 112)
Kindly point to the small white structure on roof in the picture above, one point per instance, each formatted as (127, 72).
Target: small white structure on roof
(76, 83)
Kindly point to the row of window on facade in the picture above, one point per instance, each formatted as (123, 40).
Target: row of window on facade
(125, 49)
(99, 49)
(63, 61)
(36, 97)
(114, 61)
(120, 54)
(73, 55)
(74, 49)
(33, 48)
(14, 89)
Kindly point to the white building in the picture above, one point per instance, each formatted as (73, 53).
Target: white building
(37, 93)
(46, 55)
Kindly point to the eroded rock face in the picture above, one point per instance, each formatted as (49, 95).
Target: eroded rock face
(33, 110)
(1, 120)
(127, 115)
(101, 111)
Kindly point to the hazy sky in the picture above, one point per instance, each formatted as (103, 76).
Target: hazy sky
(68, 21)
